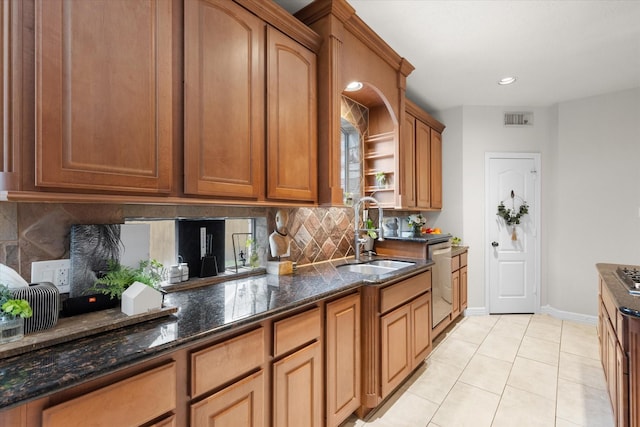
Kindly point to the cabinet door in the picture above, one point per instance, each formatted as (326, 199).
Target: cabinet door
(436, 169)
(423, 165)
(622, 384)
(240, 404)
(463, 288)
(634, 372)
(455, 288)
(15, 417)
(224, 100)
(408, 164)
(104, 86)
(11, 107)
(297, 398)
(343, 358)
(610, 368)
(421, 328)
(291, 120)
(395, 330)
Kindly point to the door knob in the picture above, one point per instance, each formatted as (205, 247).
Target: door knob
(494, 244)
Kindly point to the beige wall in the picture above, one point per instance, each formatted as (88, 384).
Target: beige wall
(590, 190)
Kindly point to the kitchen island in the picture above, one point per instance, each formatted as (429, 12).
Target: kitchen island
(619, 334)
(206, 317)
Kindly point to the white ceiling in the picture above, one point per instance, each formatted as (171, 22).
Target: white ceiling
(559, 50)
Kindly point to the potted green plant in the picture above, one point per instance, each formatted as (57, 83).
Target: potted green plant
(13, 311)
(381, 179)
(119, 277)
(371, 234)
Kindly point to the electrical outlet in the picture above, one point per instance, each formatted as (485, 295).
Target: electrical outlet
(54, 271)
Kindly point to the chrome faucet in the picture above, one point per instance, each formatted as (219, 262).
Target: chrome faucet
(357, 230)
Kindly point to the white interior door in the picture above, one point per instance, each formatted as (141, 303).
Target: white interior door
(513, 251)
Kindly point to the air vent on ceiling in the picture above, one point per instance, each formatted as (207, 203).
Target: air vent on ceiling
(518, 119)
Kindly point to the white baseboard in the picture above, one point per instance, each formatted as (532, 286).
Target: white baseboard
(567, 315)
(553, 312)
(476, 311)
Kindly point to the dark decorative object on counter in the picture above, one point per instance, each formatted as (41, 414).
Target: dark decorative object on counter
(201, 244)
(44, 300)
(92, 246)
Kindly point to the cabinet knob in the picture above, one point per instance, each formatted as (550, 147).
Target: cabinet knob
(495, 244)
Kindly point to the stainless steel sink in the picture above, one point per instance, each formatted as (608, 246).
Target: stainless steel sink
(377, 267)
(366, 268)
(389, 263)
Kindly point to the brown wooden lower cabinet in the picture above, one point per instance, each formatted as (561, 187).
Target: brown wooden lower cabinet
(133, 402)
(622, 386)
(240, 404)
(342, 355)
(396, 358)
(619, 337)
(406, 341)
(396, 335)
(297, 391)
(634, 372)
(458, 284)
(463, 286)
(14, 417)
(421, 328)
(455, 299)
(270, 374)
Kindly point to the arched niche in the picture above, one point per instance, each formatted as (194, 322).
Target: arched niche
(367, 117)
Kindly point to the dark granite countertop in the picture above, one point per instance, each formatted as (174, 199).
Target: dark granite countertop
(202, 312)
(627, 304)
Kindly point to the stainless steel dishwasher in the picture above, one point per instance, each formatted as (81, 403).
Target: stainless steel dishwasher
(441, 291)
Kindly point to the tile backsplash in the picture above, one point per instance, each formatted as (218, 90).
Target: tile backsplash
(318, 234)
(40, 231)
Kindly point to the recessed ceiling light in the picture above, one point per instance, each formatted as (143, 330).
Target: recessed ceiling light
(507, 80)
(353, 86)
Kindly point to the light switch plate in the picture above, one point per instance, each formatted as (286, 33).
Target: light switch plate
(54, 271)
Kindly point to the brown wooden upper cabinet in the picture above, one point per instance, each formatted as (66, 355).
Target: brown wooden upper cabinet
(421, 160)
(130, 100)
(351, 51)
(104, 95)
(292, 167)
(224, 100)
(245, 79)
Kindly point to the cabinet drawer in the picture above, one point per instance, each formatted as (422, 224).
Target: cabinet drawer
(394, 295)
(216, 365)
(455, 263)
(463, 259)
(133, 401)
(296, 331)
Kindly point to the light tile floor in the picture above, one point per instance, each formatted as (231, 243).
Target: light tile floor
(504, 371)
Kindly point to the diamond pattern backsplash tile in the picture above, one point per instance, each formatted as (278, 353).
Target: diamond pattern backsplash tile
(318, 234)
